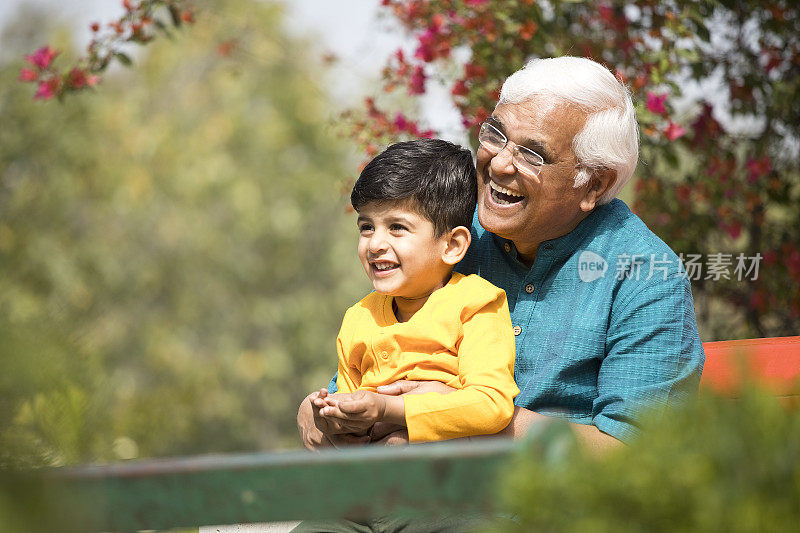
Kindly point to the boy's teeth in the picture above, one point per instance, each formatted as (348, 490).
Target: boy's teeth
(384, 266)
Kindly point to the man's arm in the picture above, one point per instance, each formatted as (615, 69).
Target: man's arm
(589, 436)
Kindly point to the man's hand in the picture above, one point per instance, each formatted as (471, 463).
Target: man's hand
(414, 387)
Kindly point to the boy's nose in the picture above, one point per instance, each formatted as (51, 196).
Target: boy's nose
(378, 243)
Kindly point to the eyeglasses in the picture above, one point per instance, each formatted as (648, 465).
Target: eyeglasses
(526, 160)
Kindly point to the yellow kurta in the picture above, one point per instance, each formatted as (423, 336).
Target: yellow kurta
(461, 337)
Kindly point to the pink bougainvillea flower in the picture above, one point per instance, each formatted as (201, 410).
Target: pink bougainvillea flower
(655, 103)
(476, 3)
(417, 82)
(42, 57)
(27, 74)
(425, 50)
(77, 79)
(758, 168)
(400, 122)
(47, 89)
(674, 131)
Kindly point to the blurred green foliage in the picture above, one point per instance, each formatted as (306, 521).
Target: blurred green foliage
(719, 465)
(175, 255)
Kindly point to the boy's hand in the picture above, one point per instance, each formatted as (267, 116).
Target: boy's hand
(332, 426)
(362, 409)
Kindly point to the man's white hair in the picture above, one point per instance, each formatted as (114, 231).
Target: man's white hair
(610, 138)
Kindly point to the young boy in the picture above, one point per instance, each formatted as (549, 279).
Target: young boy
(415, 203)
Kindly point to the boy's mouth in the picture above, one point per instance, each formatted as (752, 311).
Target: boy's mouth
(503, 196)
(383, 267)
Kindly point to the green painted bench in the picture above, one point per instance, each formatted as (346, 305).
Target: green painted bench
(228, 489)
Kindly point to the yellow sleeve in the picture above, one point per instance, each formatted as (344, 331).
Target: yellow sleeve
(485, 403)
(348, 378)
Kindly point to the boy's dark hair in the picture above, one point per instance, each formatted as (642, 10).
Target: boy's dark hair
(437, 177)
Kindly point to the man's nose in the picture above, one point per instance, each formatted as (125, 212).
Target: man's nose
(503, 161)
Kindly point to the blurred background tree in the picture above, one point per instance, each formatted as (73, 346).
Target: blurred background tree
(175, 256)
(715, 86)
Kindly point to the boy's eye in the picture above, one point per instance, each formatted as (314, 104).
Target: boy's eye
(397, 227)
(364, 227)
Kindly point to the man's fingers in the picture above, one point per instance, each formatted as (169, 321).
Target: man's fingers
(353, 407)
(347, 439)
(398, 387)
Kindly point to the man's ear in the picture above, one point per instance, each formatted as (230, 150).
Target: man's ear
(600, 181)
(456, 242)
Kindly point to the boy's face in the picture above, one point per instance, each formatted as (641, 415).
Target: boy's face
(400, 252)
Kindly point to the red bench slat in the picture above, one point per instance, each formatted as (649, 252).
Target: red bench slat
(773, 363)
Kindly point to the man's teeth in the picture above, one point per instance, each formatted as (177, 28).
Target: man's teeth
(508, 197)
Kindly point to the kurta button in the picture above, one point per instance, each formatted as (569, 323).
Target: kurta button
(385, 354)
(517, 330)
(529, 288)
(507, 247)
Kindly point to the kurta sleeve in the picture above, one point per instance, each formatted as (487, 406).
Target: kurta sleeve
(348, 377)
(485, 402)
(654, 357)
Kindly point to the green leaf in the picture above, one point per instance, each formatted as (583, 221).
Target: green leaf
(123, 58)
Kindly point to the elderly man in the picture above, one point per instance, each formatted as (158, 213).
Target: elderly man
(602, 313)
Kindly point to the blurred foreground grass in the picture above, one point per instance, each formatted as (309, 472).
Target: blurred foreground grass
(719, 465)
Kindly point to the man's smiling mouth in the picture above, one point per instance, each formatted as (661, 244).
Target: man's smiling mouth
(503, 196)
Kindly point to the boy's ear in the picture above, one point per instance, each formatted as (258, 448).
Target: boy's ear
(456, 243)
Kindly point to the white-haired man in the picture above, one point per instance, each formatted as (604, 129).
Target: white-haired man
(603, 317)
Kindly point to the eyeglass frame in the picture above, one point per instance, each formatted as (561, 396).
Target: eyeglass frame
(516, 151)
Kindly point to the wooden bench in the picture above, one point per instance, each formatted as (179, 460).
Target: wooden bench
(228, 489)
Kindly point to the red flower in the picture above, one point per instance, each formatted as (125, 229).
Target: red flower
(27, 74)
(459, 89)
(673, 131)
(528, 30)
(95, 26)
(47, 89)
(758, 168)
(472, 70)
(734, 230)
(77, 78)
(42, 57)
(655, 103)
(417, 82)
(705, 126)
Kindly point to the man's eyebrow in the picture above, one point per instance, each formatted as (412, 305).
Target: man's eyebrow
(496, 122)
(534, 144)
